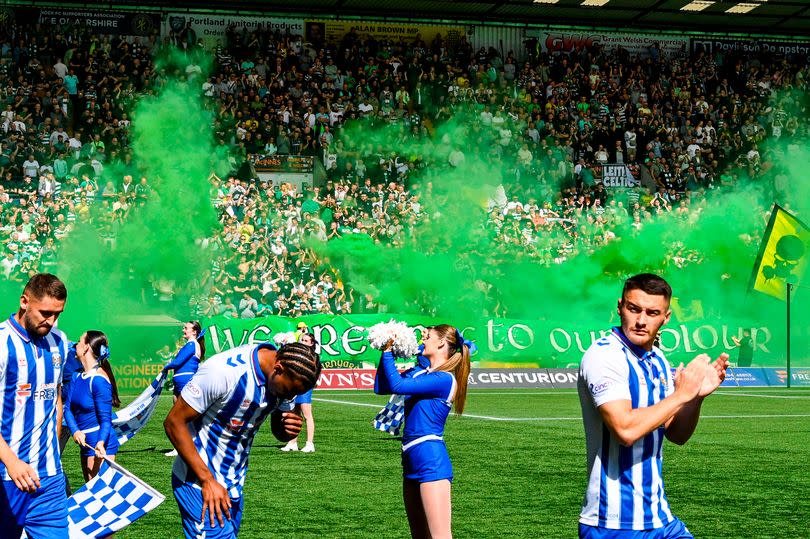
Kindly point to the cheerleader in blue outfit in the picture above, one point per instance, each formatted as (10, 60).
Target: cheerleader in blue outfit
(303, 405)
(89, 403)
(187, 361)
(427, 472)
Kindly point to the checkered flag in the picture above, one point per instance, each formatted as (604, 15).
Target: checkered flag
(127, 422)
(390, 418)
(109, 502)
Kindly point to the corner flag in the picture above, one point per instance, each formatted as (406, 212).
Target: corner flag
(783, 254)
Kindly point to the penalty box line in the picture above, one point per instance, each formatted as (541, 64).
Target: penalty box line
(575, 418)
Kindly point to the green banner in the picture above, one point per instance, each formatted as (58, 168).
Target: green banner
(502, 342)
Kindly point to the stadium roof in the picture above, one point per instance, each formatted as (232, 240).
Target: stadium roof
(756, 17)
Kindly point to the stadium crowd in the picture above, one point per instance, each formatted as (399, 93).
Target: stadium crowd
(685, 125)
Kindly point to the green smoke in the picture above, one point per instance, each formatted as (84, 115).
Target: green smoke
(454, 268)
(110, 266)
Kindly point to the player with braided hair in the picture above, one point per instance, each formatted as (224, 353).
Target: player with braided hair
(213, 423)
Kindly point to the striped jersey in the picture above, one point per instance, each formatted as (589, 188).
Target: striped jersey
(625, 484)
(30, 375)
(230, 394)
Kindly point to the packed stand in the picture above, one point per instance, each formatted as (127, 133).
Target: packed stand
(545, 124)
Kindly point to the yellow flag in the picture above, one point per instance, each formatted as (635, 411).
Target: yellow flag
(783, 254)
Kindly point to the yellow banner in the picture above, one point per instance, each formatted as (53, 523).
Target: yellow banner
(783, 254)
(334, 31)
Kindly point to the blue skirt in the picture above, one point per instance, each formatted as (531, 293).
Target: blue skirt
(427, 461)
(304, 398)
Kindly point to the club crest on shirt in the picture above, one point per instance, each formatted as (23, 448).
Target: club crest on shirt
(245, 404)
(56, 358)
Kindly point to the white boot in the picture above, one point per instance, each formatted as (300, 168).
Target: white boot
(292, 445)
(309, 447)
(172, 453)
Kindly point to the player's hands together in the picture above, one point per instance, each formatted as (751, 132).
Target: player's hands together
(292, 423)
(714, 375)
(216, 502)
(79, 437)
(23, 475)
(689, 379)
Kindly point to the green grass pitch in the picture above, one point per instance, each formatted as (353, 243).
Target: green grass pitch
(743, 474)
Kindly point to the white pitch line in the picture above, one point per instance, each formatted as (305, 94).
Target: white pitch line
(577, 418)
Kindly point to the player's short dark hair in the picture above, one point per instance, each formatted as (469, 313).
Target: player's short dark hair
(44, 285)
(649, 283)
(302, 361)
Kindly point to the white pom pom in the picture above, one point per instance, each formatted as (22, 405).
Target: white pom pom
(403, 337)
(284, 338)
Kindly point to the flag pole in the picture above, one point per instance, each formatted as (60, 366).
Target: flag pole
(787, 333)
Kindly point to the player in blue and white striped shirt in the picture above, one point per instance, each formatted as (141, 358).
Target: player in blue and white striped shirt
(213, 423)
(32, 352)
(630, 401)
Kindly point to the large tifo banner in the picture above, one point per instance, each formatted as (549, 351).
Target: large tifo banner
(501, 342)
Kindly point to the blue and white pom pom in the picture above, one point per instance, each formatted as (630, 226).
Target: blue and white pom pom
(284, 338)
(404, 345)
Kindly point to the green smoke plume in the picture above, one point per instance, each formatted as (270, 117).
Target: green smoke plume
(453, 268)
(109, 269)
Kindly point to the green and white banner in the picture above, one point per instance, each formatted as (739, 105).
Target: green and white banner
(501, 342)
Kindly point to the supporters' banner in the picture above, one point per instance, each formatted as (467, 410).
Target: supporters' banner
(333, 31)
(109, 502)
(616, 175)
(501, 342)
(639, 44)
(104, 22)
(130, 420)
(210, 27)
(713, 45)
(783, 254)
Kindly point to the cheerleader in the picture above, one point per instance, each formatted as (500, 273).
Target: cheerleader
(303, 405)
(431, 392)
(187, 361)
(89, 403)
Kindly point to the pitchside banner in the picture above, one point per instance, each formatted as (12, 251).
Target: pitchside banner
(363, 379)
(347, 379)
(501, 342)
(635, 44)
